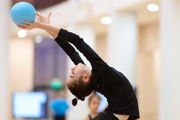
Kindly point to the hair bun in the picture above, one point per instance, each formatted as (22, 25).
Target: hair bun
(74, 101)
(82, 98)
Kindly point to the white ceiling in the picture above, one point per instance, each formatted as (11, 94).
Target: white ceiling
(143, 17)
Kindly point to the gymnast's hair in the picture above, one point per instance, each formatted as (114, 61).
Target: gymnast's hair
(80, 90)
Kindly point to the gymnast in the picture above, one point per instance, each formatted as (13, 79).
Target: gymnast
(100, 77)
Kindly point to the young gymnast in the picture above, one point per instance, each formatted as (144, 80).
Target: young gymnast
(93, 103)
(122, 101)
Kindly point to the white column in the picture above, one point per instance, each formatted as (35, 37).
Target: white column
(169, 97)
(87, 33)
(122, 43)
(4, 41)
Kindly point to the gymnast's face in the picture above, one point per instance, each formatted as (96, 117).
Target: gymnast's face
(78, 72)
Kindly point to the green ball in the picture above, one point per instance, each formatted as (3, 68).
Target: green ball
(56, 85)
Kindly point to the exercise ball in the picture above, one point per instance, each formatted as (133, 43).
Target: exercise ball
(56, 84)
(22, 11)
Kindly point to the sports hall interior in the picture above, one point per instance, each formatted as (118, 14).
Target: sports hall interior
(140, 38)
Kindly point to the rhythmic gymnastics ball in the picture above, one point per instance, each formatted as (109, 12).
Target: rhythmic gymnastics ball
(22, 11)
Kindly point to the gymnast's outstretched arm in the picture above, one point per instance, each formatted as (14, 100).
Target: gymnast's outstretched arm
(69, 50)
(44, 23)
(97, 63)
(61, 34)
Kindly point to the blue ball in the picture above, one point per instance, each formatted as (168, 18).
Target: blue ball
(22, 11)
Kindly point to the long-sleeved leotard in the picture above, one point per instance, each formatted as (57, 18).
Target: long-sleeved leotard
(107, 80)
(69, 50)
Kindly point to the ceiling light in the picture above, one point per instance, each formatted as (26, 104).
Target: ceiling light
(106, 20)
(153, 7)
(22, 33)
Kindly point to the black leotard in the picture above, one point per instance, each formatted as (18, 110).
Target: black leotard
(90, 118)
(107, 80)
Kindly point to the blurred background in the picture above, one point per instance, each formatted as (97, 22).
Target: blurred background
(138, 37)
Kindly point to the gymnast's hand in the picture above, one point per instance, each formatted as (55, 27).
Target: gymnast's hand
(40, 21)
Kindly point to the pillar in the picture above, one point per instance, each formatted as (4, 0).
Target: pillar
(87, 33)
(122, 44)
(169, 97)
(4, 41)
